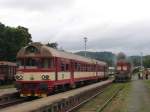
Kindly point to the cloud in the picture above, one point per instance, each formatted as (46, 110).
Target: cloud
(118, 25)
(131, 39)
(33, 5)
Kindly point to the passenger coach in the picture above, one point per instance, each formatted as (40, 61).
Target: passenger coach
(43, 70)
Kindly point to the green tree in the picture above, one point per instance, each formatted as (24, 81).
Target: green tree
(53, 45)
(146, 61)
(11, 40)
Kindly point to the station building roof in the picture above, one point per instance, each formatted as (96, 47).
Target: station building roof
(7, 63)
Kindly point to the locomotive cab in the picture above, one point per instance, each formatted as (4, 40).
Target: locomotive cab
(34, 72)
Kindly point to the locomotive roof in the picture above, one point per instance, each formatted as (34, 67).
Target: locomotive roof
(123, 61)
(45, 51)
(7, 63)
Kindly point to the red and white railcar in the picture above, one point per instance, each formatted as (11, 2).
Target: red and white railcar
(43, 69)
(123, 71)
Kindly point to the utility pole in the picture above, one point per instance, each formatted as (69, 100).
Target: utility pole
(141, 60)
(141, 65)
(85, 41)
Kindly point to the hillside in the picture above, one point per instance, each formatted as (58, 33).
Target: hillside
(108, 57)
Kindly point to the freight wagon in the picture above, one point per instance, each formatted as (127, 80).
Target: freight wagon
(7, 72)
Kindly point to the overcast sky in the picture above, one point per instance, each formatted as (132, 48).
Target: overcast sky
(109, 25)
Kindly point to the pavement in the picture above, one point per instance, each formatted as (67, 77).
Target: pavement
(7, 91)
(139, 97)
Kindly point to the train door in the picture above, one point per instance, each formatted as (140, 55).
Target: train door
(56, 68)
(96, 69)
(72, 72)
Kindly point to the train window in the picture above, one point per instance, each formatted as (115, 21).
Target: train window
(93, 68)
(82, 67)
(31, 62)
(78, 67)
(90, 68)
(45, 63)
(52, 63)
(31, 49)
(62, 67)
(67, 67)
(86, 68)
(20, 62)
(1, 69)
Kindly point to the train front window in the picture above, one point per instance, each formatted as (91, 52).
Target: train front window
(45, 63)
(125, 68)
(20, 63)
(119, 68)
(36, 63)
(30, 62)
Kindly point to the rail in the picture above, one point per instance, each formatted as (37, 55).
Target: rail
(100, 109)
(11, 102)
(109, 100)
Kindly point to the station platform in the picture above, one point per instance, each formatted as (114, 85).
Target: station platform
(36, 105)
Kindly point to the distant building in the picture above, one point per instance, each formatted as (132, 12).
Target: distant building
(111, 70)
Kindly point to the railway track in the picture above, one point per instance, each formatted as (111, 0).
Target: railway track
(62, 102)
(109, 100)
(13, 101)
(102, 106)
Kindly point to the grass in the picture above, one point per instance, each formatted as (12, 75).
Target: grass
(97, 102)
(147, 82)
(120, 102)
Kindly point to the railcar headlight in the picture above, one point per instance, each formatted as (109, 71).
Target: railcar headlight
(45, 77)
(19, 77)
